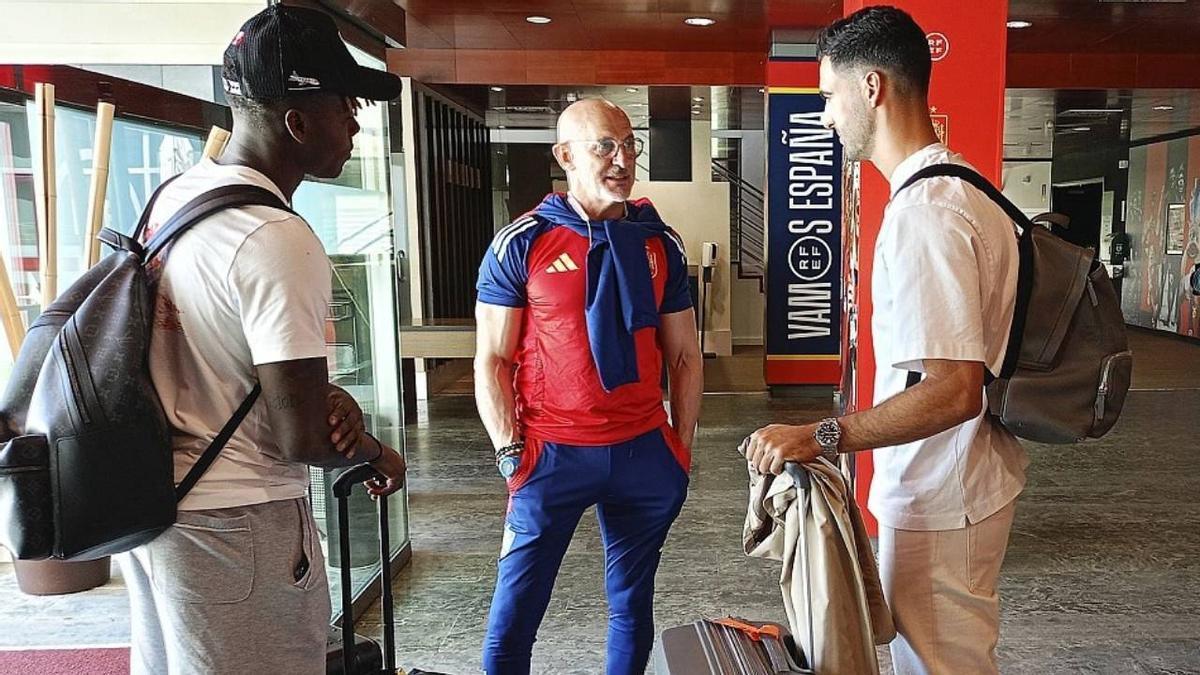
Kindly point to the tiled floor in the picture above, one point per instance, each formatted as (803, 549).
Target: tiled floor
(1101, 574)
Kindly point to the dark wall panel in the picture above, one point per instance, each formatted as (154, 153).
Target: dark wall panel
(455, 204)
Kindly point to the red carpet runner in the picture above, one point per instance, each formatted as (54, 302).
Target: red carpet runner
(99, 661)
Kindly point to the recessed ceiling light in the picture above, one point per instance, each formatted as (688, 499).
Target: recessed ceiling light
(499, 126)
(631, 90)
(699, 21)
(496, 88)
(1081, 128)
(698, 99)
(539, 20)
(1164, 107)
(1019, 23)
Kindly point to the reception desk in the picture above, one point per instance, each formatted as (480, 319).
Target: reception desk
(438, 339)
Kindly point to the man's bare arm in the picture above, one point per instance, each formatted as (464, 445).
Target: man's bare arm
(296, 394)
(685, 370)
(950, 394)
(497, 331)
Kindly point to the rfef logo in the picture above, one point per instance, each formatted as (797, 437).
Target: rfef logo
(810, 258)
(939, 46)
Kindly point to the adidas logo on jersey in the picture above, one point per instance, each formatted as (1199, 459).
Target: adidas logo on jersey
(563, 264)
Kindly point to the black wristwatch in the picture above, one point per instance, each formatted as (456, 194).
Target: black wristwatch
(828, 435)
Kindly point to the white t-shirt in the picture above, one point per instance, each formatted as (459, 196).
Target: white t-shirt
(944, 287)
(243, 287)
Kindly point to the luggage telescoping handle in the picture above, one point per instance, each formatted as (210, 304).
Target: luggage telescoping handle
(343, 485)
(798, 475)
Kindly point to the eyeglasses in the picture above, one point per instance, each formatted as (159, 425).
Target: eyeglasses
(606, 148)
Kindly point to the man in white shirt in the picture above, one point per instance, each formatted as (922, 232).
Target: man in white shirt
(238, 584)
(946, 473)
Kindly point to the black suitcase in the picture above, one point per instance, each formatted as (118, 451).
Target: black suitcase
(364, 656)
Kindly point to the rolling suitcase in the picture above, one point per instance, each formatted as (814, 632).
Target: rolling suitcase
(348, 653)
(734, 646)
(728, 647)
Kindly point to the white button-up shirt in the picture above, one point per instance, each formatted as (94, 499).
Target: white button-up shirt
(944, 287)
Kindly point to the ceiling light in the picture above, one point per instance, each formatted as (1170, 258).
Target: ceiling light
(698, 99)
(631, 90)
(762, 90)
(1019, 23)
(496, 88)
(1163, 108)
(1081, 128)
(699, 21)
(539, 20)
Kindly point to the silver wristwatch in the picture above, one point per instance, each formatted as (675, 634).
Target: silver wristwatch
(828, 435)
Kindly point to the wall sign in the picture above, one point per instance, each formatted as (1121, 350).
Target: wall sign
(804, 241)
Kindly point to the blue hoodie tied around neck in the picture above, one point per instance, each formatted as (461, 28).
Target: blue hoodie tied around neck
(620, 294)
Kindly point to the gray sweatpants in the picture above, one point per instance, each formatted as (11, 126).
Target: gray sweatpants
(230, 591)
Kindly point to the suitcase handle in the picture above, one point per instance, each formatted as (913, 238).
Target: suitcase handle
(344, 484)
(797, 473)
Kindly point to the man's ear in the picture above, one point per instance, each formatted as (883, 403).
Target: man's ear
(562, 153)
(294, 122)
(872, 87)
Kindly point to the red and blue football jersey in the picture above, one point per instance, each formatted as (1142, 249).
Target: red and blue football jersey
(541, 266)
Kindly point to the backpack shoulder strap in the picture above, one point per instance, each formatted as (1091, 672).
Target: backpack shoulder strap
(199, 208)
(210, 453)
(1024, 252)
(969, 175)
(145, 219)
(133, 243)
(205, 205)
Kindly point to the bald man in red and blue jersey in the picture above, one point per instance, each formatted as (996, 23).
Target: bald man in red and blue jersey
(580, 300)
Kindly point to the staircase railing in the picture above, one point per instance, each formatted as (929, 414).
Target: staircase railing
(747, 221)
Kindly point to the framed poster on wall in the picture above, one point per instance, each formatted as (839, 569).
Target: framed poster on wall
(1175, 225)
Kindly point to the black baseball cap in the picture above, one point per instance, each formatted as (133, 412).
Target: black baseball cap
(286, 50)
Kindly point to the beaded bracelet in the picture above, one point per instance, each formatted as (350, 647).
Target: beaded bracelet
(509, 450)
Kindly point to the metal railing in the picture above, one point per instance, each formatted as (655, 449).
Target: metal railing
(747, 221)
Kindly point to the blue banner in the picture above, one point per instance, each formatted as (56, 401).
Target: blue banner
(804, 240)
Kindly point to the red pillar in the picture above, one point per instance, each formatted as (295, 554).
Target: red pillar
(968, 43)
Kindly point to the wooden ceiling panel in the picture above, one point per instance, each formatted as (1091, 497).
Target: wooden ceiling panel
(633, 6)
(483, 31)
(1069, 28)
(566, 32)
(421, 36)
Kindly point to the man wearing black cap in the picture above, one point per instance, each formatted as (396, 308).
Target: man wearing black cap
(238, 585)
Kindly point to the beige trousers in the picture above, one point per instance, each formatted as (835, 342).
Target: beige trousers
(941, 586)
